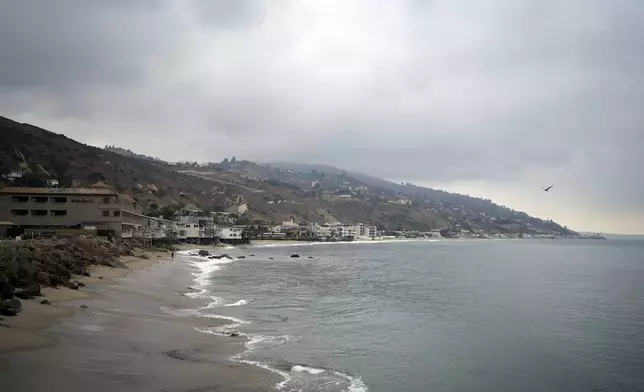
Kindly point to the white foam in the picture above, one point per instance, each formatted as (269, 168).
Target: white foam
(384, 241)
(206, 267)
(238, 303)
(306, 369)
(262, 365)
(355, 383)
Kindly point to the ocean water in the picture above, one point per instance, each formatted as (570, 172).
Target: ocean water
(451, 315)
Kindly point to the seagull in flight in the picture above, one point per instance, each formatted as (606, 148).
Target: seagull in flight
(548, 188)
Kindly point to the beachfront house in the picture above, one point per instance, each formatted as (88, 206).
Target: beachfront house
(97, 210)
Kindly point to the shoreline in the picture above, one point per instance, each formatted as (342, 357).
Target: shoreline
(126, 302)
(25, 331)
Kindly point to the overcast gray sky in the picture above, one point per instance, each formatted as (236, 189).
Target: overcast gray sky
(493, 98)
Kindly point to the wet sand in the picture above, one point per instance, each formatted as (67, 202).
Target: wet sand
(122, 340)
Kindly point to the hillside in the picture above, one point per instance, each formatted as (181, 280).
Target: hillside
(39, 155)
(258, 193)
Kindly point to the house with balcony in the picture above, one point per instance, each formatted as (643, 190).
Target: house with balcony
(231, 235)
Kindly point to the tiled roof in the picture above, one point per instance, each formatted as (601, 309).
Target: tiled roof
(58, 191)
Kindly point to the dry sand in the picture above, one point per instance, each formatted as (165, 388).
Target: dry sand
(123, 340)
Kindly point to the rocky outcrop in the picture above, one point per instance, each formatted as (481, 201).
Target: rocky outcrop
(203, 252)
(26, 266)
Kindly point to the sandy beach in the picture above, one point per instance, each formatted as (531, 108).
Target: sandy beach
(114, 335)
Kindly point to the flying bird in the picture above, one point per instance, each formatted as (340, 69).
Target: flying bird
(548, 188)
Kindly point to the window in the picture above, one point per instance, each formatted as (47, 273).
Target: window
(106, 213)
(20, 212)
(39, 199)
(20, 199)
(59, 200)
(38, 212)
(106, 200)
(117, 213)
(58, 212)
(182, 233)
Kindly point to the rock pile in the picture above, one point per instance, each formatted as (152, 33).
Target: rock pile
(25, 266)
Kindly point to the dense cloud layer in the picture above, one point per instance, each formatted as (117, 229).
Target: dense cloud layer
(495, 98)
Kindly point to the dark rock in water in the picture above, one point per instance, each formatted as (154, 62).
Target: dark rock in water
(203, 252)
(193, 254)
(84, 306)
(33, 289)
(175, 354)
(225, 255)
(80, 284)
(233, 334)
(45, 302)
(100, 277)
(5, 309)
(22, 294)
(6, 289)
(270, 258)
(73, 285)
(295, 255)
(241, 257)
(310, 257)
(87, 274)
(212, 257)
(216, 257)
(252, 255)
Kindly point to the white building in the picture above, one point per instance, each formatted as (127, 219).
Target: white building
(321, 231)
(196, 227)
(339, 230)
(289, 225)
(188, 230)
(230, 233)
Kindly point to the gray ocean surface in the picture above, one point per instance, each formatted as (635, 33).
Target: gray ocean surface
(451, 315)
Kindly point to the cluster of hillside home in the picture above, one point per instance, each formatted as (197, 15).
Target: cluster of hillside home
(99, 210)
(335, 231)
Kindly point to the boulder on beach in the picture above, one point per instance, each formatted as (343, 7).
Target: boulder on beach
(203, 252)
(33, 289)
(6, 289)
(45, 302)
(241, 257)
(73, 285)
(84, 306)
(295, 255)
(22, 294)
(8, 309)
(16, 304)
